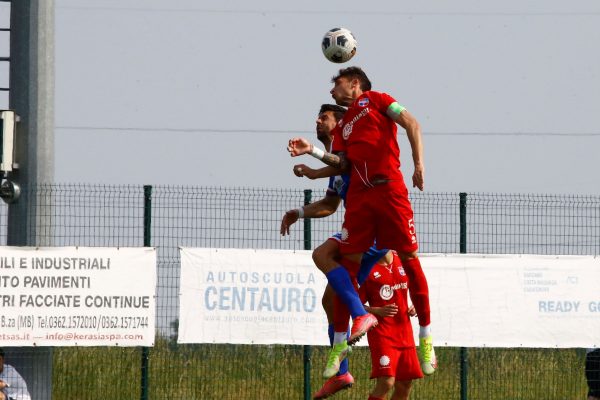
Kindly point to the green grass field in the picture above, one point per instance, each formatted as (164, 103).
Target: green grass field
(207, 372)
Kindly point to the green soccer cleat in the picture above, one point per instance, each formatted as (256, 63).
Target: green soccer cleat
(336, 356)
(427, 355)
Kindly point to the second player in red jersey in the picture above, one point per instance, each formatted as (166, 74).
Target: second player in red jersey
(394, 361)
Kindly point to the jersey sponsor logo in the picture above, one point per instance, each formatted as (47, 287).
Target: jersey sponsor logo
(386, 292)
(347, 130)
(363, 102)
(384, 361)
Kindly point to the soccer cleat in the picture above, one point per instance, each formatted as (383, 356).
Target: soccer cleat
(337, 354)
(360, 326)
(427, 355)
(334, 385)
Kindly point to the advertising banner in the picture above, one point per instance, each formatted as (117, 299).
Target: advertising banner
(274, 297)
(77, 296)
(250, 297)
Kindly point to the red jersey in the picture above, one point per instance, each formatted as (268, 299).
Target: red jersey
(368, 137)
(389, 285)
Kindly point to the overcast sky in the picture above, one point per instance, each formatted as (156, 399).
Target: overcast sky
(208, 93)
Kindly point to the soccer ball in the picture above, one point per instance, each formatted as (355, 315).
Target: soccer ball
(338, 45)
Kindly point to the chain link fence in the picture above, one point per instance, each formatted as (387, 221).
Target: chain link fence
(167, 217)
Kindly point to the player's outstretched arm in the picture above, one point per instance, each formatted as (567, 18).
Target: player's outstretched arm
(299, 146)
(322, 208)
(413, 131)
(289, 218)
(301, 170)
(319, 209)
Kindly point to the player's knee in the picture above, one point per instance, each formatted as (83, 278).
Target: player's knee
(318, 259)
(383, 386)
(323, 256)
(401, 390)
(389, 384)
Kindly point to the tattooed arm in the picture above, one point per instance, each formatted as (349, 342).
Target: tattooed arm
(299, 146)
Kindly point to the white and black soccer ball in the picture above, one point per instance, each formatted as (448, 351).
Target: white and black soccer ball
(339, 45)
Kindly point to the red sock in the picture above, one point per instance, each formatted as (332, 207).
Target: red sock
(418, 290)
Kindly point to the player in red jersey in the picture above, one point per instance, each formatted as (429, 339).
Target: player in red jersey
(378, 205)
(394, 361)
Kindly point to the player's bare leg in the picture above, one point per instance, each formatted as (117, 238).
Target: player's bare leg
(326, 258)
(383, 385)
(401, 390)
(341, 278)
(419, 294)
(361, 322)
(343, 379)
(327, 303)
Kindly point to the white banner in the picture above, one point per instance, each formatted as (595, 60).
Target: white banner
(250, 297)
(274, 297)
(77, 296)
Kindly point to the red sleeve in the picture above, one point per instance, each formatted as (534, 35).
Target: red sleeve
(337, 143)
(381, 101)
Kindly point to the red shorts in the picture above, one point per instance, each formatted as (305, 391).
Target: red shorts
(382, 214)
(400, 362)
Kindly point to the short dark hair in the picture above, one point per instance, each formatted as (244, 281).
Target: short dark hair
(338, 111)
(1, 352)
(354, 73)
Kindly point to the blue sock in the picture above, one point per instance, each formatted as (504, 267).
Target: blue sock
(339, 279)
(344, 365)
(330, 332)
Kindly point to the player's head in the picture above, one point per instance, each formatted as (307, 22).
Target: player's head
(329, 115)
(348, 84)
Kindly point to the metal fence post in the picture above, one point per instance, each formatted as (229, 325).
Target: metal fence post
(307, 349)
(147, 240)
(463, 249)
